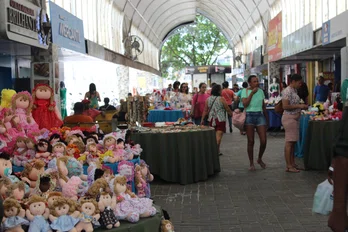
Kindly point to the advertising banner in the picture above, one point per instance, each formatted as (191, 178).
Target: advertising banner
(67, 30)
(299, 41)
(24, 22)
(334, 29)
(275, 38)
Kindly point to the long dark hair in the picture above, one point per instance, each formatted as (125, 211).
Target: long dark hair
(92, 89)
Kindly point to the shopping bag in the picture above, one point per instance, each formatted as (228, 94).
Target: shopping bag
(238, 119)
(323, 198)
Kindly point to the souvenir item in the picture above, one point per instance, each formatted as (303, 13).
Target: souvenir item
(73, 151)
(70, 189)
(63, 217)
(6, 97)
(4, 184)
(166, 226)
(30, 144)
(37, 213)
(52, 197)
(80, 145)
(147, 176)
(4, 135)
(58, 150)
(45, 111)
(44, 185)
(13, 216)
(20, 154)
(54, 138)
(91, 154)
(21, 106)
(140, 182)
(32, 171)
(126, 168)
(43, 150)
(16, 191)
(106, 204)
(129, 207)
(89, 215)
(7, 122)
(97, 186)
(111, 155)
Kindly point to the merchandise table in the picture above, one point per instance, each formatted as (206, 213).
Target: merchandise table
(318, 149)
(180, 157)
(151, 224)
(164, 115)
(275, 120)
(299, 147)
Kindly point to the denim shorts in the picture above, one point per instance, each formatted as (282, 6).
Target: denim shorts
(255, 119)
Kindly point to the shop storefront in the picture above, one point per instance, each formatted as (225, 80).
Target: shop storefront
(24, 25)
(208, 74)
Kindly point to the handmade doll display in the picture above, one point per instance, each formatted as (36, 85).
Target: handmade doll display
(73, 151)
(30, 144)
(80, 145)
(4, 135)
(7, 122)
(6, 97)
(16, 126)
(91, 139)
(71, 139)
(147, 176)
(89, 215)
(167, 226)
(45, 111)
(97, 186)
(21, 105)
(20, 154)
(62, 215)
(43, 150)
(13, 216)
(129, 207)
(70, 189)
(120, 149)
(52, 197)
(58, 150)
(37, 213)
(4, 184)
(44, 185)
(16, 191)
(32, 171)
(91, 154)
(111, 155)
(140, 182)
(106, 204)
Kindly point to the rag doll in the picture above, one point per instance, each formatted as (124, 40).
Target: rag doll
(4, 135)
(16, 126)
(147, 176)
(65, 132)
(89, 215)
(91, 139)
(4, 184)
(16, 191)
(7, 122)
(122, 152)
(13, 216)
(71, 139)
(44, 185)
(6, 97)
(45, 111)
(30, 143)
(166, 226)
(73, 151)
(32, 171)
(54, 138)
(106, 204)
(37, 213)
(21, 106)
(20, 154)
(97, 186)
(140, 182)
(128, 206)
(58, 150)
(107, 175)
(70, 189)
(62, 215)
(43, 150)
(91, 154)
(52, 197)
(111, 155)
(80, 145)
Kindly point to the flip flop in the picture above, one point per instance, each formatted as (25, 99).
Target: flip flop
(292, 170)
(262, 164)
(298, 167)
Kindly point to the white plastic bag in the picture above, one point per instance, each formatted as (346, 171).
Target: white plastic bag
(323, 198)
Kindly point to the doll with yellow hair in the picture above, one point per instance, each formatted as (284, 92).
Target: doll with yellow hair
(6, 97)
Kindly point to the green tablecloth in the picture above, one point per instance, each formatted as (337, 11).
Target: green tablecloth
(151, 224)
(183, 157)
(321, 136)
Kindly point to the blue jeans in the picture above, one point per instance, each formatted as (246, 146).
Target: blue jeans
(255, 119)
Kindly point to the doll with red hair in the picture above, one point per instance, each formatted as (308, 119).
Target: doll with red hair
(45, 111)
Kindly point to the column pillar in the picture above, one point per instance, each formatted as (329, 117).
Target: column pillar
(123, 83)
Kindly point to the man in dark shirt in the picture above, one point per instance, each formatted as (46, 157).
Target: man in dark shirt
(303, 93)
(338, 220)
(107, 107)
(321, 91)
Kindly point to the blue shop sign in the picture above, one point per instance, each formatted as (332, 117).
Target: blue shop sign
(67, 29)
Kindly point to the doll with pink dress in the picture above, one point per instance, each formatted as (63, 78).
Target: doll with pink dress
(8, 123)
(20, 155)
(111, 153)
(21, 106)
(45, 111)
(30, 143)
(58, 150)
(4, 136)
(43, 150)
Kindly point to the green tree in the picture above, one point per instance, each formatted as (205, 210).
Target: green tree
(194, 45)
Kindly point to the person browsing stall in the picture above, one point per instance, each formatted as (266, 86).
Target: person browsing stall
(321, 91)
(228, 95)
(78, 116)
(198, 103)
(107, 106)
(93, 96)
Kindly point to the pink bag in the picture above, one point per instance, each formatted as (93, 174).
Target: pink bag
(238, 119)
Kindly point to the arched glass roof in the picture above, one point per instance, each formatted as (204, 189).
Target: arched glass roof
(157, 18)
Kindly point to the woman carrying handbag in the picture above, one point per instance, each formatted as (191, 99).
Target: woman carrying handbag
(198, 103)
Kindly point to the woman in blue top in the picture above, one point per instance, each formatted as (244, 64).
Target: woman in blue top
(256, 117)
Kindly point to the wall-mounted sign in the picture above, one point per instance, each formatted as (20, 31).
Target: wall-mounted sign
(208, 69)
(334, 29)
(203, 69)
(275, 38)
(67, 30)
(23, 21)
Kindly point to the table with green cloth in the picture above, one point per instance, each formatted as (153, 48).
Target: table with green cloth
(151, 224)
(299, 147)
(318, 148)
(180, 157)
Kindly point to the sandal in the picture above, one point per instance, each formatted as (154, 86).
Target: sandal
(298, 167)
(292, 170)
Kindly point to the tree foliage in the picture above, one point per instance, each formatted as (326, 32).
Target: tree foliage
(194, 45)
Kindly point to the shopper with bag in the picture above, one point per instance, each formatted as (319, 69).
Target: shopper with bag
(256, 118)
(238, 117)
(198, 103)
(216, 108)
(229, 96)
(290, 120)
(338, 220)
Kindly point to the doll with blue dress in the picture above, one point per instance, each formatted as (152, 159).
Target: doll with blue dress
(13, 216)
(63, 216)
(37, 213)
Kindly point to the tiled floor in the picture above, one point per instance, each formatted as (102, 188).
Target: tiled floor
(239, 200)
